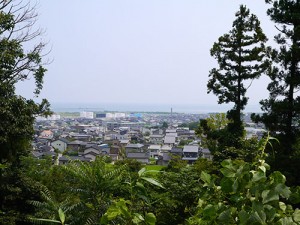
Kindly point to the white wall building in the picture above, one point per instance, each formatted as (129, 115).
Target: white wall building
(88, 115)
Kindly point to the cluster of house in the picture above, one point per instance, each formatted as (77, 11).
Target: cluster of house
(129, 140)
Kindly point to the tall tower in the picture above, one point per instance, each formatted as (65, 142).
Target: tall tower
(171, 120)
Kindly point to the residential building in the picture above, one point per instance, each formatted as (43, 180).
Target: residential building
(190, 153)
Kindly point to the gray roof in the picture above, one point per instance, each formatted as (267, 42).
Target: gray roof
(176, 150)
(166, 157)
(134, 146)
(169, 140)
(190, 148)
(154, 147)
(205, 150)
(77, 142)
(69, 158)
(124, 141)
(156, 136)
(64, 140)
(138, 155)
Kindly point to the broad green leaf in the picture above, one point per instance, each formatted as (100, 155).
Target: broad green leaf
(150, 219)
(141, 171)
(277, 178)
(137, 218)
(226, 185)
(296, 215)
(243, 217)
(61, 215)
(269, 196)
(270, 212)
(205, 177)
(283, 190)
(123, 207)
(46, 220)
(152, 181)
(225, 217)
(210, 212)
(258, 218)
(140, 185)
(228, 172)
(285, 221)
(235, 185)
(262, 168)
(227, 163)
(282, 206)
(258, 176)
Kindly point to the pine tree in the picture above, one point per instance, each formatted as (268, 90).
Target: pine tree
(241, 55)
(282, 109)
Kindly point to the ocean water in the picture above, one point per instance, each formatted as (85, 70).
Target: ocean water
(130, 107)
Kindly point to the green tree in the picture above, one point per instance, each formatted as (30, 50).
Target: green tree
(282, 109)
(164, 125)
(20, 59)
(245, 194)
(213, 132)
(18, 63)
(241, 55)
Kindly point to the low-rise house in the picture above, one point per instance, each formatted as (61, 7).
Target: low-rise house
(114, 152)
(156, 131)
(46, 134)
(154, 150)
(92, 152)
(190, 153)
(134, 148)
(164, 159)
(124, 143)
(40, 155)
(45, 148)
(66, 159)
(171, 131)
(76, 145)
(165, 149)
(60, 144)
(156, 139)
(142, 157)
(81, 137)
(170, 140)
(176, 152)
(206, 153)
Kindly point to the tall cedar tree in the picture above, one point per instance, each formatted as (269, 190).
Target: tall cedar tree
(282, 109)
(18, 63)
(241, 55)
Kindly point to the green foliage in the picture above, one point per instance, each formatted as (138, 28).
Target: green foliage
(179, 198)
(245, 194)
(132, 164)
(184, 142)
(241, 55)
(18, 62)
(281, 110)
(133, 211)
(176, 164)
(50, 208)
(164, 125)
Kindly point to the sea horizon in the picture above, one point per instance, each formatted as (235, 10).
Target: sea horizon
(146, 107)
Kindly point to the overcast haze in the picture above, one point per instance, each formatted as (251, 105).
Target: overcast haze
(137, 51)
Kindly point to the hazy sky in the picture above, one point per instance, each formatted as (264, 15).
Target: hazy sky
(137, 51)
